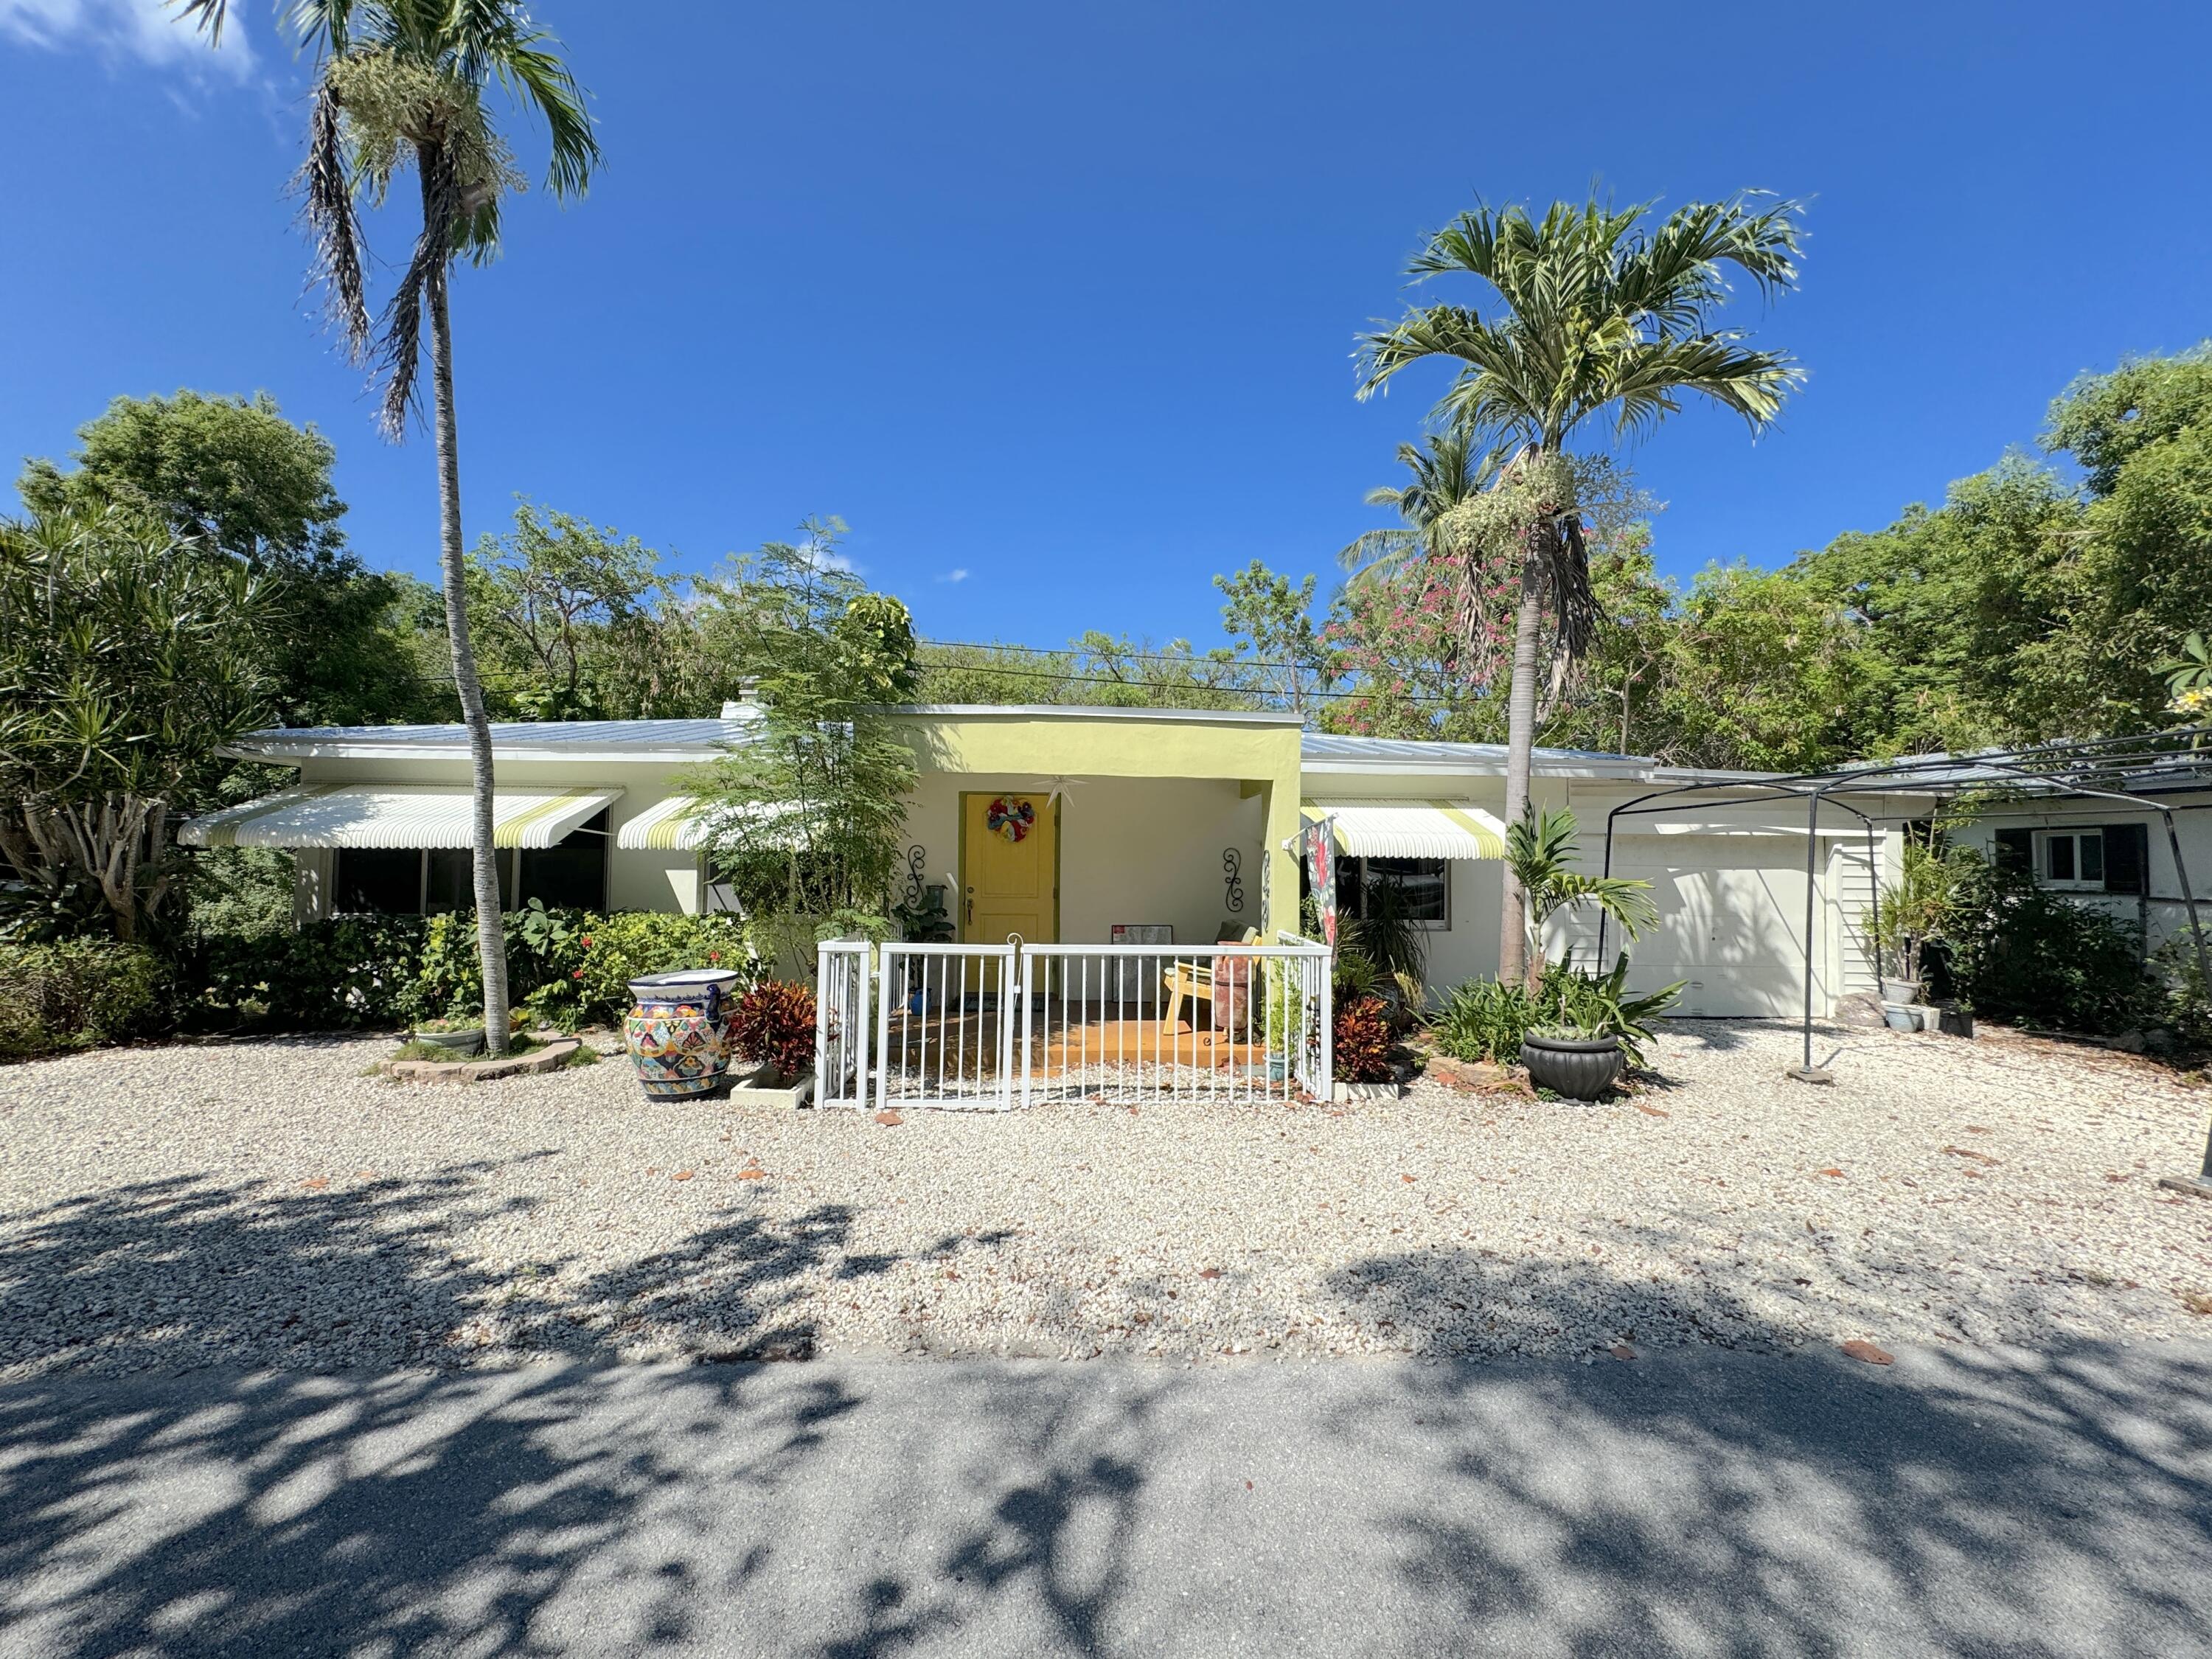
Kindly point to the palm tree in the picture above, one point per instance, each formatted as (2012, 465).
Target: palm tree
(1595, 315)
(402, 82)
(1541, 854)
(1447, 469)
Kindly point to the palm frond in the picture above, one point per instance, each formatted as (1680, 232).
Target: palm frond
(325, 188)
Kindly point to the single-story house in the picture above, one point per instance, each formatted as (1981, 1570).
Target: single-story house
(1136, 819)
(2106, 854)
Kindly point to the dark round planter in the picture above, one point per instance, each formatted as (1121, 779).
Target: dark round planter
(1580, 1071)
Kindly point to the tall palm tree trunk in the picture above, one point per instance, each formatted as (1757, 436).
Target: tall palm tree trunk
(1513, 961)
(491, 941)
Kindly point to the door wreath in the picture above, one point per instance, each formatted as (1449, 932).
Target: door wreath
(1014, 821)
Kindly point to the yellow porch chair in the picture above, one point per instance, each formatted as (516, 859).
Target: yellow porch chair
(1193, 980)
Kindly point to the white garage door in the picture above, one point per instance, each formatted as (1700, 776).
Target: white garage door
(1731, 920)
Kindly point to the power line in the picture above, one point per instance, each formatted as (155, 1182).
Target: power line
(1228, 691)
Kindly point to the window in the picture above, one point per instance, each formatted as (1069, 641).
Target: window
(574, 873)
(1423, 887)
(453, 880)
(2074, 858)
(377, 880)
(408, 881)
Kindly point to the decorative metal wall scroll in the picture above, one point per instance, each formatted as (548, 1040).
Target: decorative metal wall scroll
(1232, 880)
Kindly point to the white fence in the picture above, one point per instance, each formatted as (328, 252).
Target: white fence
(989, 1027)
(841, 1031)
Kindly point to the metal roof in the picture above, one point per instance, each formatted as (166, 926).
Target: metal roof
(596, 740)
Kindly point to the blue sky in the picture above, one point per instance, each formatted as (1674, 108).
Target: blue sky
(1064, 298)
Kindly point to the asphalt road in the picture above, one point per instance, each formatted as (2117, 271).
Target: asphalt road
(1686, 1503)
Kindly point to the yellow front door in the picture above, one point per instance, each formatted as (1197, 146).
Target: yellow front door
(1010, 868)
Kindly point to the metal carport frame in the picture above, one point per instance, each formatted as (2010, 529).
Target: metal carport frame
(2087, 768)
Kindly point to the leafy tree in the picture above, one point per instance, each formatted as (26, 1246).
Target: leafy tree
(989, 674)
(1420, 636)
(1957, 606)
(1272, 619)
(1597, 315)
(128, 655)
(2138, 578)
(234, 473)
(1764, 671)
(401, 83)
(803, 816)
(578, 623)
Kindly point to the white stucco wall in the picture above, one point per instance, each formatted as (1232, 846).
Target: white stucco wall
(2159, 913)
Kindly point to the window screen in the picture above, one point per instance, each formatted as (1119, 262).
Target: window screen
(377, 880)
(574, 873)
(1423, 886)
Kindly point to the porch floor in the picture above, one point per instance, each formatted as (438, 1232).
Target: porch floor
(1063, 1038)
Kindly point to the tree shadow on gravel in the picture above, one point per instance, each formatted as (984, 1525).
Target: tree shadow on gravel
(340, 1501)
(347, 1272)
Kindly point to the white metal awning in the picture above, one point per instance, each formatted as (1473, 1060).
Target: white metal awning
(395, 815)
(1412, 829)
(666, 826)
(681, 823)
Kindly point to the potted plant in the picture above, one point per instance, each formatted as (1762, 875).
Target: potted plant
(1955, 1018)
(921, 919)
(463, 1038)
(773, 1028)
(1578, 1061)
(1912, 916)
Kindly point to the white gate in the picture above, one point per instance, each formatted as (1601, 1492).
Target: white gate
(841, 1031)
(990, 1026)
(944, 1025)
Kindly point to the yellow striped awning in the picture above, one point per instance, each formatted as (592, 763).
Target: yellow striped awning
(1411, 829)
(666, 826)
(681, 823)
(395, 815)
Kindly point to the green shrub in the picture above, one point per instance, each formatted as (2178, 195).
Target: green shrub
(74, 993)
(618, 949)
(1486, 1019)
(2027, 955)
(565, 967)
(323, 976)
(572, 967)
(1361, 1051)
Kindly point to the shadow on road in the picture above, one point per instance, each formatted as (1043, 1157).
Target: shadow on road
(1694, 1501)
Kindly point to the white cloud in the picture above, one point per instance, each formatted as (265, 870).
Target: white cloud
(147, 30)
(959, 575)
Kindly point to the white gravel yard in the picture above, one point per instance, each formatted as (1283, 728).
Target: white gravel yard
(268, 1204)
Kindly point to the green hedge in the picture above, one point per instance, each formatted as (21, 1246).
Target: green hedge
(324, 977)
(74, 994)
(378, 972)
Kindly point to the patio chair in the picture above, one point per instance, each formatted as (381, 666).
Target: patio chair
(1195, 981)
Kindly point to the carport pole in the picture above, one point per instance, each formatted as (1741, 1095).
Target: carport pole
(2200, 1183)
(1806, 1072)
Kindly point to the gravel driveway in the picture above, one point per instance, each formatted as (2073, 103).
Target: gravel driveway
(269, 1204)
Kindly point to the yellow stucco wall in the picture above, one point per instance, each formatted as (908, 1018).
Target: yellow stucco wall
(1125, 833)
